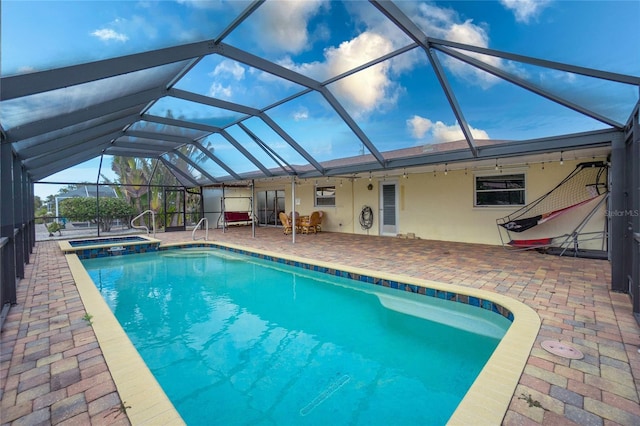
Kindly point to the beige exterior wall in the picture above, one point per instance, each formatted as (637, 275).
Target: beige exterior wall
(439, 207)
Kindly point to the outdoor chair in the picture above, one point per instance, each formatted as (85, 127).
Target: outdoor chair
(286, 222)
(310, 224)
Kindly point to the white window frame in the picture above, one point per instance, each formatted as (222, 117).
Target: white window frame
(324, 197)
(507, 172)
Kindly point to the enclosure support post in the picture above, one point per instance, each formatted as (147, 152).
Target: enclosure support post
(224, 221)
(7, 239)
(98, 193)
(617, 223)
(633, 209)
(253, 213)
(18, 217)
(293, 209)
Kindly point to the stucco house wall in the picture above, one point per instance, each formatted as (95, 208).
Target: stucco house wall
(441, 207)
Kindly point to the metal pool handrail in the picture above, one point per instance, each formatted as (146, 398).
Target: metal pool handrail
(206, 229)
(153, 221)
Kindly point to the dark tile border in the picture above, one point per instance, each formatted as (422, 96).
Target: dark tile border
(412, 288)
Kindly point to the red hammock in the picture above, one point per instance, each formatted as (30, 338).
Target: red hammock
(519, 225)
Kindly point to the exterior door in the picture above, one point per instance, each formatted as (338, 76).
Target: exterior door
(270, 204)
(389, 208)
(174, 210)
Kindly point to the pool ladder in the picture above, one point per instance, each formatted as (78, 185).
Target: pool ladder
(206, 229)
(153, 221)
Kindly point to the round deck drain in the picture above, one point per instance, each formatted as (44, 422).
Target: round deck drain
(561, 349)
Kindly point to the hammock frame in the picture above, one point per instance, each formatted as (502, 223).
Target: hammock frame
(559, 241)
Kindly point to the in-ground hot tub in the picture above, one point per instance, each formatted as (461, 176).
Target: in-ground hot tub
(89, 248)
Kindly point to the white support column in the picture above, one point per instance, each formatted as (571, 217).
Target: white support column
(293, 209)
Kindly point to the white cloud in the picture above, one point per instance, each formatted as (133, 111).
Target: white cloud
(375, 88)
(365, 91)
(217, 90)
(525, 10)
(368, 89)
(282, 25)
(446, 24)
(231, 68)
(223, 72)
(106, 34)
(302, 114)
(421, 127)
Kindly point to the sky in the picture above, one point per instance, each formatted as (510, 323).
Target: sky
(398, 103)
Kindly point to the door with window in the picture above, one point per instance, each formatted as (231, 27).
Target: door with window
(174, 210)
(388, 208)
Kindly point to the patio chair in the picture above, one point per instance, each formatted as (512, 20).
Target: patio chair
(286, 222)
(310, 225)
(319, 225)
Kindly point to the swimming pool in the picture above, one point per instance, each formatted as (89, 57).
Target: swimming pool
(303, 350)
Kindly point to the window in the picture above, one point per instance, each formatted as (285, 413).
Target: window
(500, 190)
(325, 196)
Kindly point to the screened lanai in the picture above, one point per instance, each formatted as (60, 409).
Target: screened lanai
(232, 93)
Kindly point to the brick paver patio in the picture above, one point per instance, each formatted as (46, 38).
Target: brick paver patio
(53, 372)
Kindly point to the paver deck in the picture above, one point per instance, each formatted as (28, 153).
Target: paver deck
(53, 372)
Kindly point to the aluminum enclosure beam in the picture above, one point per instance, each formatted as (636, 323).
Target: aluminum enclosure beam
(246, 153)
(395, 15)
(195, 166)
(599, 138)
(239, 20)
(43, 81)
(530, 87)
(588, 72)
(215, 159)
(271, 153)
(112, 130)
(178, 172)
(284, 135)
(352, 125)
(158, 149)
(129, 106)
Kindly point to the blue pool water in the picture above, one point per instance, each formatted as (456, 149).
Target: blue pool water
(109, 240)
(238, 340)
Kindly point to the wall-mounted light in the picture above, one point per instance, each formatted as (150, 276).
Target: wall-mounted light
(404, 174)
(561, 159)
(445, 169)
(369, 176)
(497, 164)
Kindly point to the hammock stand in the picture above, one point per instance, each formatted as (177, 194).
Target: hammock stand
(569, 243)
(528, 217)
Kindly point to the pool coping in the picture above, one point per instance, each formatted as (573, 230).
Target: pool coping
(486, 401)
(145, 401)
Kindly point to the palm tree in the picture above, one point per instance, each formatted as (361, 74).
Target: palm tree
(133, 177)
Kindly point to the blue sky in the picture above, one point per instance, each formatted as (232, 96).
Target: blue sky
(397, 103)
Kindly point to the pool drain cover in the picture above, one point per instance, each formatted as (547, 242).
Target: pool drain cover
(561, 349)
